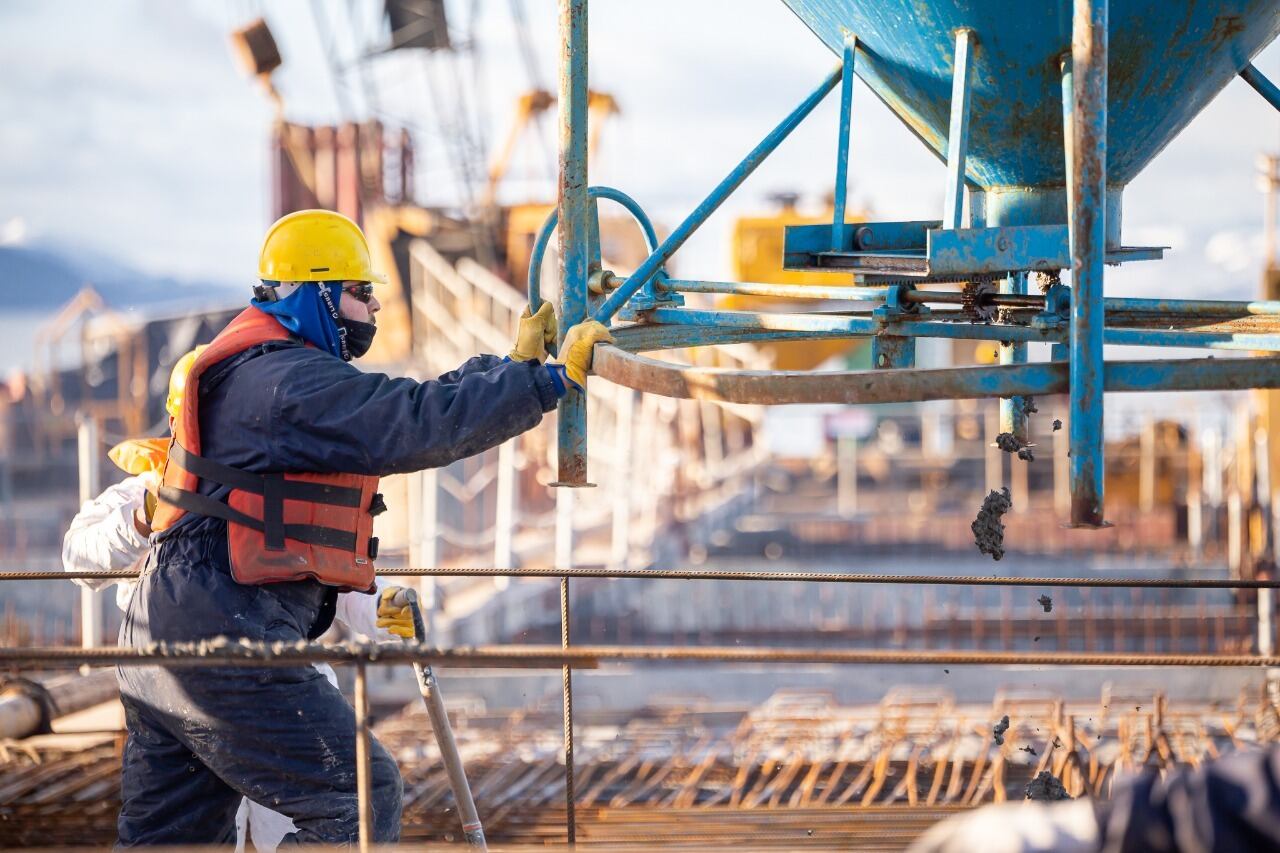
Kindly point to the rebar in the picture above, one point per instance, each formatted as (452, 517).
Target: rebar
(250, 654)
(749, 575)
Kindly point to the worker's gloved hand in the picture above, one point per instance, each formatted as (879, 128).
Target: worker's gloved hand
(575, 352)
(394, 618)
(535, 333)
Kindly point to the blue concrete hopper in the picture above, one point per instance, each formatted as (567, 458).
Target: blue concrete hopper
(1167, 60)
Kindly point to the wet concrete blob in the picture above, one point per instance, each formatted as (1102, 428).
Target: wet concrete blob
(988, 530)
(1057, 424)
(1009, 443)
(998, 730)
(1046, 787)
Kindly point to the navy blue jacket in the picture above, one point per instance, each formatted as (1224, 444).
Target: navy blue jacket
(283, 407)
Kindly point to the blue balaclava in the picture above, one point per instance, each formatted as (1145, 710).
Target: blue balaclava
(311, 313)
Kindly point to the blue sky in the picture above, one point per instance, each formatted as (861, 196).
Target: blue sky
(130, 132)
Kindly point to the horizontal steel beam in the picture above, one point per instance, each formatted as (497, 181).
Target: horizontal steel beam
(905, 386)
(841, 325)
(785, 291)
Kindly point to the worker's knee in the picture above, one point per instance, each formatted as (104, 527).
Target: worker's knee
(387, 796)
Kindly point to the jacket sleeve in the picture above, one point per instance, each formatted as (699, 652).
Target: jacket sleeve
(328, 416)
(475, 364)
(102, 536)
(359, 613)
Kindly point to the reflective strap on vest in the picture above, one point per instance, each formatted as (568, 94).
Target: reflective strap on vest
(309, 534)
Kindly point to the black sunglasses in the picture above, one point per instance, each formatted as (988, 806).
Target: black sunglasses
(362, 291)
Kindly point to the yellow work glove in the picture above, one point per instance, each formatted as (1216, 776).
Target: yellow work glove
(535, 333)
(395, 618)
(576, 351)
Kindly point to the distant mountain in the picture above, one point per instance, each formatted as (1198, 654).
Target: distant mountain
(40, 279)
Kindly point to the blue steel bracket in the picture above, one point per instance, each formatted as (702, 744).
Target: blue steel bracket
(1057, 308)
(925, 251)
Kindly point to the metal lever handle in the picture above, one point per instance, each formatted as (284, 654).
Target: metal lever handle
(406, 596)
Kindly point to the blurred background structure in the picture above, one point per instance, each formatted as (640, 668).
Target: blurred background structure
(140, 171)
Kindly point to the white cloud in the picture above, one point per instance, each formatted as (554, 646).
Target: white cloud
(1234, 251)
(13, 232)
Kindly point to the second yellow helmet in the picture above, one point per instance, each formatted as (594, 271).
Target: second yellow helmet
(316, 245)
(178, 380)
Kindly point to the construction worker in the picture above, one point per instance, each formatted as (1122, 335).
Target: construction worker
(110, 533)
(266, 510)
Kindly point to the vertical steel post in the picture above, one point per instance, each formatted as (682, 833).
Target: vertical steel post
(573, 209)
(842, 143)
(1013, 415)
(889, 352)
(1088, 244)
(958, 135)
(364, 776)
(88, 445)
(564, 560)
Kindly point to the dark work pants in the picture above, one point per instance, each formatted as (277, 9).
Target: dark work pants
(199, 738)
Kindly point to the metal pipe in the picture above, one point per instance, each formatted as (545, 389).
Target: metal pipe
(841, 193)
(950, 383)
(574, 209)
(958, 134)
(1013, 416)
(785, 291)
(549, 656)
(1191, 307)
(533, 279)
(472, 829)
(364, 774)
(781, 576)
(1088, 191)
(1261, 84)
(845, 324)
(717, 196)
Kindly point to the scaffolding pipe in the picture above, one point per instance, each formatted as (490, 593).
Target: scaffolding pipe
(1088, 131)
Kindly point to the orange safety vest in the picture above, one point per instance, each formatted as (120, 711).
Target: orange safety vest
(280, 527)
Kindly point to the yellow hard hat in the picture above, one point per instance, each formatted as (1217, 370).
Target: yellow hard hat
(178, 380)
(316, 245)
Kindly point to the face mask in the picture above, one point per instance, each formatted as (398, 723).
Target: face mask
(359, 336)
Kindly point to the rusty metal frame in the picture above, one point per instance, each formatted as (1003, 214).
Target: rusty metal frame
(895, 386)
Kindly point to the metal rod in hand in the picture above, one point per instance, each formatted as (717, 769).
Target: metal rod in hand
(472, 830)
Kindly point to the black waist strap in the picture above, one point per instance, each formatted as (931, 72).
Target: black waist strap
(247, 481)
(310, 534)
